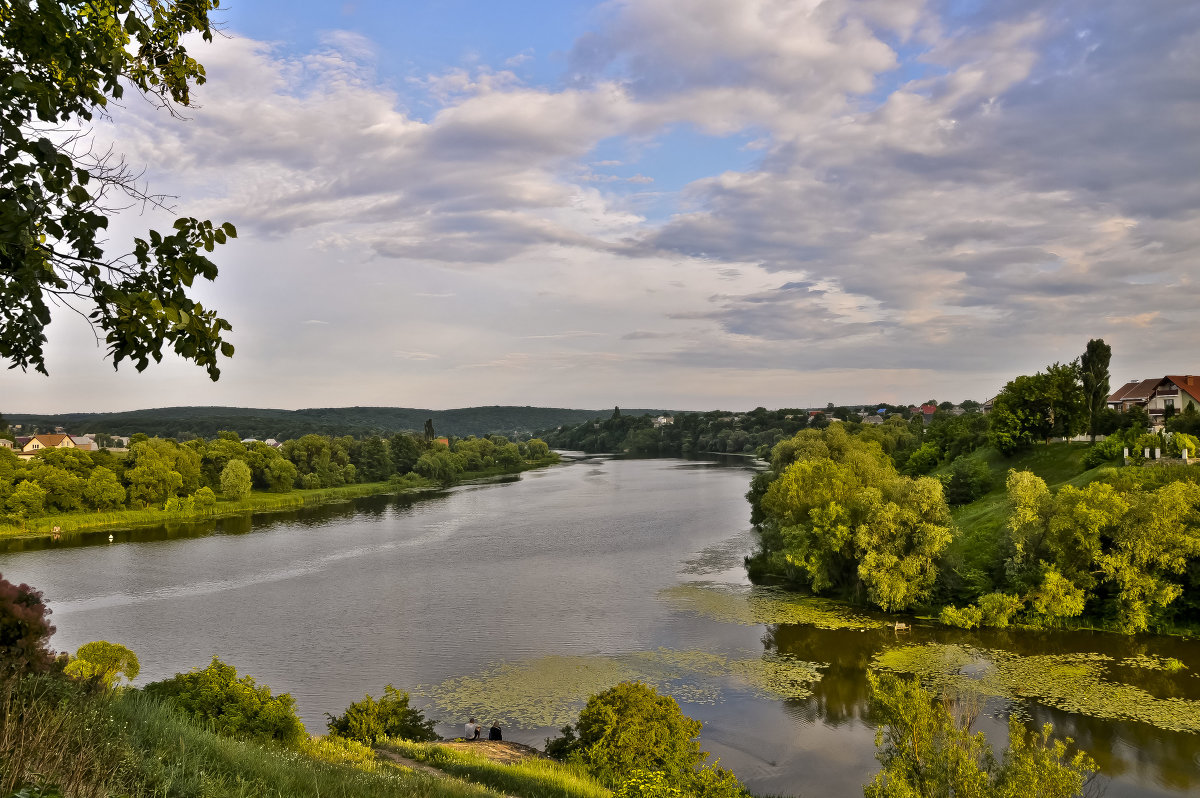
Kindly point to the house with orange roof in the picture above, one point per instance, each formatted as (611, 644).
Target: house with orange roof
(32, 445)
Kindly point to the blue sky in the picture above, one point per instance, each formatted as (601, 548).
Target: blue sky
(675, 203)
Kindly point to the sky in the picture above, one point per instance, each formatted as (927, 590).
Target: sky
(684, 204)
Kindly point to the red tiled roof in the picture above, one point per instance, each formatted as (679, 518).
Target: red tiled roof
(1188, 383)
(1137, 390)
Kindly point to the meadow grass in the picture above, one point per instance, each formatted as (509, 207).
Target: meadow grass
(87, 743)
(530, 778)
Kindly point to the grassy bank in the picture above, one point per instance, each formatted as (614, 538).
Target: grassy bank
(529, 778)
(75, 523)
(54, 734)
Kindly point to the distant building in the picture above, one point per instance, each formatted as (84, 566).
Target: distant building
(663, 421)
(6, 443)
(34, 444)
(872, 420)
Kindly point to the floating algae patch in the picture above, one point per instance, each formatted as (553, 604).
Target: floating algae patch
(1070, 682)
(1146, 662)
(550, 691)
(762, 605)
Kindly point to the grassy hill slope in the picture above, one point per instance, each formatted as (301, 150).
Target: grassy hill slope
(982, 521)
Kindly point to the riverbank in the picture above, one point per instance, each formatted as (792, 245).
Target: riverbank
(68, 525)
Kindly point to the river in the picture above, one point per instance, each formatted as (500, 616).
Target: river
(514, 600)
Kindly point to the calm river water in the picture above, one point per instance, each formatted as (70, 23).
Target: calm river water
(507, 600)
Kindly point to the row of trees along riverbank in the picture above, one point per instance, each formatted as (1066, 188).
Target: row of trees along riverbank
(161, 479)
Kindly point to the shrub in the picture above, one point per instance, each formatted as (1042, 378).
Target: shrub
(997, 609)
(631, 727)
(970, 478)
(231, 706)
(24, 630)
(105, 662)
(390, 716)
(647, 784)
(205, 498)
(968, 617)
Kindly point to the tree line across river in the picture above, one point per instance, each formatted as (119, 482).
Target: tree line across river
(188, 477)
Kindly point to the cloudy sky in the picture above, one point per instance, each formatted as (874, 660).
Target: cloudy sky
(672, 203)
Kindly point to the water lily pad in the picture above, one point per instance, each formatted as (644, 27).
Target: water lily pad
(762, 605)
(550, 691)
(1070, 682)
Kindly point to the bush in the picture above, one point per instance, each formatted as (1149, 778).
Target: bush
(24, 630)
(997, 609)
(390, 716)
(105, 662)
(631, 727)
(969, 617)
(970, 478)
(231, 706)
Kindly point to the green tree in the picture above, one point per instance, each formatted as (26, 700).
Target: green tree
(103, 490)
(106, 662)
(235, 480)
(846, 521)
(1093, 370)
(151, 480)
(26, 501)
(439, 465)
(63, 61)
(390, 716)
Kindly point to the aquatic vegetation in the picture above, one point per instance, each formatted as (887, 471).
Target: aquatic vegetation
(762, 605)
(721, 557)
(1147, 662)
(550, 691)
(1070, 682)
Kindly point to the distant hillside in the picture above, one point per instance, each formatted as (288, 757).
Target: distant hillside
(185, 423)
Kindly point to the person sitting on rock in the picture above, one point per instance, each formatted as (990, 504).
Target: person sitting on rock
(472, 731)
(494, 733)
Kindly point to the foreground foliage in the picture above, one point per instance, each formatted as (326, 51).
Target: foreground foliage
(231, 706)
(630, 730)
(390, 716)
(62, 62)
(927, 750)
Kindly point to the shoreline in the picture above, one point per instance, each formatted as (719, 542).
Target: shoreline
(81, 522)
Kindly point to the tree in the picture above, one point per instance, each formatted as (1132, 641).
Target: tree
(390, 716)
(235, 480)
(24, 630)
(106, 662)
(429, 433)
(103, 491)
(848, 522)
(62, 62)
(1093, 370)
(151, 480)
(26, 501)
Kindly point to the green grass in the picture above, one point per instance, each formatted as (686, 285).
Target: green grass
(529, 778)
(982, 521)
(53, 733)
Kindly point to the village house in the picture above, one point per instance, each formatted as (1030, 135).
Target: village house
(1161, 397)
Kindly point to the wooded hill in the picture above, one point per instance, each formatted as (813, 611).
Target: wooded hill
(185, 423)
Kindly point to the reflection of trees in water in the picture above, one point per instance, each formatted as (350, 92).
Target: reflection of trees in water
(841, 694)
(1143, 752)
(1123, 747)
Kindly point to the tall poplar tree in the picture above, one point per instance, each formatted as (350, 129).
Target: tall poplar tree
(1093, 366)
